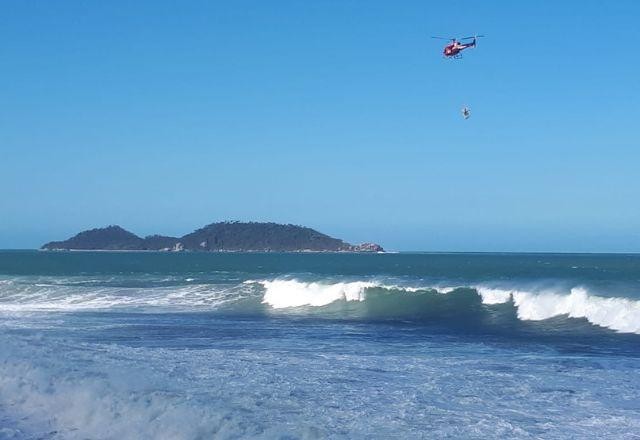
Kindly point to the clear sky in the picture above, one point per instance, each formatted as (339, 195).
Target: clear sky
(163, 116)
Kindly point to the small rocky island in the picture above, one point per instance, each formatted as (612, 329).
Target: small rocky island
(216, 237)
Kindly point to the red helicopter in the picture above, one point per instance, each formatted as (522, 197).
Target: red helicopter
(453, 49)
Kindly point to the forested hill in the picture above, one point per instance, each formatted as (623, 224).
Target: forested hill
(223, 236)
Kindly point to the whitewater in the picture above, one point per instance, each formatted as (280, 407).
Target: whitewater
(188, 346)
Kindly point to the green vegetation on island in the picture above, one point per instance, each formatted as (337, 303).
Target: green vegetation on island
(216, 237)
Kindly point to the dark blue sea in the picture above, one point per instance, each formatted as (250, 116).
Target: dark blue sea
(115, 345)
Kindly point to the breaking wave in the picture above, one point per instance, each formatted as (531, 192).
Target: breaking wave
(619, 314)
(281, 294)
(369, 298)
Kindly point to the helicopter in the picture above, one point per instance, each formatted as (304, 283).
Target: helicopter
(455, 47)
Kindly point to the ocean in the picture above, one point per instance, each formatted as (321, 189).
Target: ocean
(126, 345)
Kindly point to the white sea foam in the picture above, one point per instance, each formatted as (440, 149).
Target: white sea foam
(108, 404)
(47, 297)
(412, 289)
(618, 314)
(292, 293)
(494, 296)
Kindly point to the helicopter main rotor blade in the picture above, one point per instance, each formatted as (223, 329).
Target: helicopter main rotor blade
(475, 36)
(443, 38)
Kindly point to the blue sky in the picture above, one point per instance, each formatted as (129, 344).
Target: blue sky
(163, 116)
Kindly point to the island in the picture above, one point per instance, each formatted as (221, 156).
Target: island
(230, 236)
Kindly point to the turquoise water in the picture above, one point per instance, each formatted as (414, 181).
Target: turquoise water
(158, 345)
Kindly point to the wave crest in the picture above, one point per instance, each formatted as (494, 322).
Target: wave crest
(281, 294)
(619, 314)
(382, 298)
